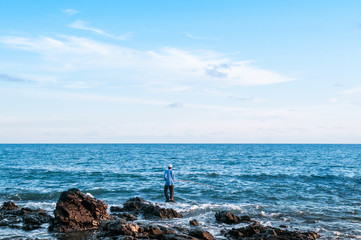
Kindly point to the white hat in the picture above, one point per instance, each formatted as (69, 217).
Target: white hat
(170, 166)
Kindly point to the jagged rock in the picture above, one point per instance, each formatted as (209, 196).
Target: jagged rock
(230, 218)
(201, 234)
(177, 237)
(258, 231)
(116, 209)
(150, 210)
(9, 206)
(157, 231)
(24, 218)
(125, 216)
(119, 227)
(76, 211)
(194, 222)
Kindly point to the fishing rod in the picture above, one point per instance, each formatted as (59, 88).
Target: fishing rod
(196, 183)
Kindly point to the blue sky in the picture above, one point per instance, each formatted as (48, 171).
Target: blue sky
(180, 71)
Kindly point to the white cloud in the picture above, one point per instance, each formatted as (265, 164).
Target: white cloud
(75, 54)
(243, 73)
(354, 90)
(79, 24)
(70, 11)
(193, 37)
(175, 105)
(8, 78)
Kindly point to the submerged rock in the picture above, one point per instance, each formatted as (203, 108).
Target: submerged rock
(149, 210)
(22, 218)
(194, 222)
(200, 234)
(125, 216)
(9, 206)
(258, 231)
(121, 229)
(76, 211)
(230, 218)
(116, 209)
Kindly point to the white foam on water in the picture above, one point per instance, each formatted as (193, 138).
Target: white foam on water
(47, 206)
(89, 195)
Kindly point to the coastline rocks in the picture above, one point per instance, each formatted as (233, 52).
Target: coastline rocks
(9, 206)
(121, 229)
(230, 218)
(125, 216)
(194, 223)
(129, 230)
(117, 227)
(258, 231)
(25, 218)
(149, 210)
(116, 209)
(76, 211)
(200, 234)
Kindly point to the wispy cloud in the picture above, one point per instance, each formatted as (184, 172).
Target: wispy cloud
(175, 105)
(69, 11)
(7, 78)
(354, 90)
(82, 25)
(87, 56)
(193, 37)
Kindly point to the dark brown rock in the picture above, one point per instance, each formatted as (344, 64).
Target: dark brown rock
(230, 218)
(150, 210)
(125, 216)
(227, 217)
(116, 209)
(118, 227)
(9, 206)
(194, 222)
(76, 211)
(24, 218)
(258, 231)
(200, 234)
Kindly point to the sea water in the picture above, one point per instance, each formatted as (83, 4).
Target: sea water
(306, 187)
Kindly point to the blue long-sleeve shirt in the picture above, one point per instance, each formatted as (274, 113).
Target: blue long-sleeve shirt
(169, 177)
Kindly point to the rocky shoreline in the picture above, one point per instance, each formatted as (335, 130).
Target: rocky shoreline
(79, 214)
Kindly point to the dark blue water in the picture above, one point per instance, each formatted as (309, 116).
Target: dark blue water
(309, 187)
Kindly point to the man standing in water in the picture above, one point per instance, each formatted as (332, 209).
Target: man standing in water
(169, 183)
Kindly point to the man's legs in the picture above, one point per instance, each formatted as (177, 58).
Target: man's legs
(171, 188)
(166, 192)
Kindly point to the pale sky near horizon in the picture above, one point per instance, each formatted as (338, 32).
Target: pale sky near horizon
(180, 71)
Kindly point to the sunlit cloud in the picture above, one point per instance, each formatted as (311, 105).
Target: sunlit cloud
(354, 90)
(8, 78)
(75, 54)
(70, 11)
(82, 25)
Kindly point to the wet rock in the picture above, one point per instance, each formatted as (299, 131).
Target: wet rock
(230, 218)
(119, 227)
(24, 218)
(227, 217)
(157, 231)
(9, 206)
(150, 210)
(258, 231)
(194, 222)
(116, 209)
(200, 234)
(177, 237)
(76, 211)
(125, 216)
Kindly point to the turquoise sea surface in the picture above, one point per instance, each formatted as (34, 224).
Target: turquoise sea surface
(308, 187)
